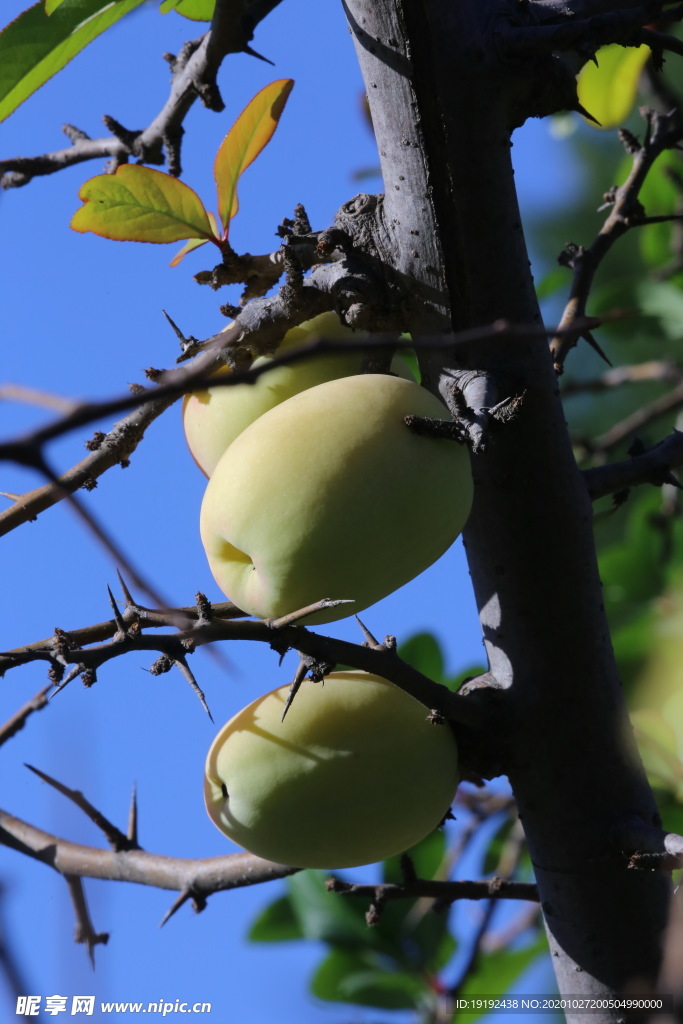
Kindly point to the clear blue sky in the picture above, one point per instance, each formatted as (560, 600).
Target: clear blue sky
(81, 316)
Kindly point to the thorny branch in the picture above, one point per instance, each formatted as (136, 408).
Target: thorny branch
(257, 330)
(63, 650)
(194, 73)
(444, 892)
(662, 132)
(199, 878)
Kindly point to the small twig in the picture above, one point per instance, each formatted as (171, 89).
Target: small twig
(33, 396)
(444, 892)
(642, 417)
(104, 538)
(647, 848)
(18, 720)
(84, 931)
(655, 369)
(292, 618)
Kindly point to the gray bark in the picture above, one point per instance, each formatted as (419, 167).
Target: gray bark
(443, 102)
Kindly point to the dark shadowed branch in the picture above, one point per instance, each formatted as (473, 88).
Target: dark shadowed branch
(652, 466)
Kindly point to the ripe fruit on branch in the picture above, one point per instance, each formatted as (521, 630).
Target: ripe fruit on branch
(355, 773)
(213, 418)
(331, 495)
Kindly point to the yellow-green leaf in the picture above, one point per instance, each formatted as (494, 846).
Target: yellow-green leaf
(52, 5)
(608, 91)
(37, 44)
(141, 205)
(252, 130)
(194, 243)
(195, 10)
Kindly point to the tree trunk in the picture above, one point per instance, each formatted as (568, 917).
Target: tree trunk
(443, 103)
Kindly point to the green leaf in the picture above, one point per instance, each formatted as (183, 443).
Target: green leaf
(420, 936)
(194, 243)
(38, 44)
(659, 196)
(663, 301)
(608, 91)
(252, 130)
(658, 748)
(552, 282)
(326, 916)
(424, 653)
(428, 857)
(52, 5)
(141, 205)
(347, 976)
(276, 923)
(195, 10)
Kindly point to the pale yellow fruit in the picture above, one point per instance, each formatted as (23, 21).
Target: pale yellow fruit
(331, 495)
(355, 773)
(212, 419)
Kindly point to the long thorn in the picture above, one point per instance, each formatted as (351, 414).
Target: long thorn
(187, 672)
(371, 640)
(128, 597)
(123, 629)
(299, 677)
(133, 816)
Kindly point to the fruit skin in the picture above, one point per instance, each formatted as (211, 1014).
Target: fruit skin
(331, 495)
(212, 419)
(355, 773)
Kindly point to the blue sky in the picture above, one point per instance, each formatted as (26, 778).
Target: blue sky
(81, 316)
